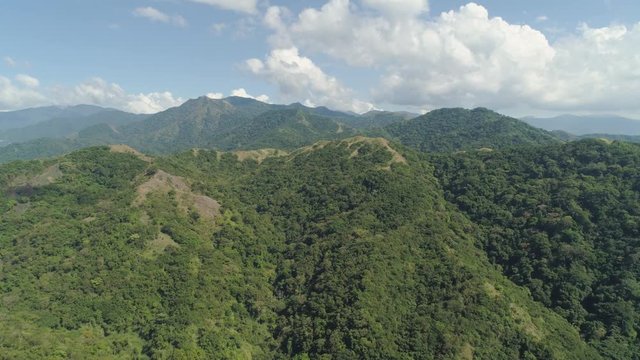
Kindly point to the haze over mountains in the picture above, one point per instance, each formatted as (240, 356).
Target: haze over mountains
(587, 124)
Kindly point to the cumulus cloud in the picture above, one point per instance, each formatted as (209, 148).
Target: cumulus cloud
(215, 95)
(27, 81)
(25, 91)
(154, 14)
(298, 77)
(245, 6)
(15, 95)
(241, 92)
(100, 92)
(465, 57)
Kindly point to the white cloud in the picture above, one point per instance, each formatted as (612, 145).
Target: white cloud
(25, 92)
(245, 6)
(16, 96)
(215, 95)
(400, 9)
(297, 77)
(462, 57)
(542, 18)
(27, 81)
(154, 14)
(99, 92)
(152, 102)
(241, 92)
(9, 61)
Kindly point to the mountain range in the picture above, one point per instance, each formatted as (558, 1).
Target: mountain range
(587, 124)
(239, 123)
(235, 229)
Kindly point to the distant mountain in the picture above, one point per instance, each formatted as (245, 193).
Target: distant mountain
(233, 123)
(565, 136)
(227, 124)
(591, 124)
(377, 118)
(625, 138)
(283, 129)
(191, 125)
(59, 127)
(27, 117)
(459, 129)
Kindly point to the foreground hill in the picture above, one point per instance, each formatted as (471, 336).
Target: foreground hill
(564, 221)
(446, 130)
(343, 249)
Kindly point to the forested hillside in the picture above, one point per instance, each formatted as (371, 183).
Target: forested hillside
(498, 241)
(227, 124)
(447, 130)
(338, 250)
(245, 124)
(564, 221)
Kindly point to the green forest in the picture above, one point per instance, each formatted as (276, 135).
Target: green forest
(293, 237)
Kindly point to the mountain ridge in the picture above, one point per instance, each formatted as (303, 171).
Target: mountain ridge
(587, 124)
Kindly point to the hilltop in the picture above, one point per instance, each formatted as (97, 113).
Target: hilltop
(446, 130)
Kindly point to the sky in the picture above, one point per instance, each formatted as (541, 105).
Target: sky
(519, 57)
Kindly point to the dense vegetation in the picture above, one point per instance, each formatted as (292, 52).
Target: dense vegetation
(238, 123)
(232, 123)
(340, 250)
(446, 130)
(497, 242)
(564, 221)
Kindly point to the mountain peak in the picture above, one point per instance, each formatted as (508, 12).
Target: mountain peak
(458, 129)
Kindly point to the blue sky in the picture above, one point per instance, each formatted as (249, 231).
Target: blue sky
(520, 57)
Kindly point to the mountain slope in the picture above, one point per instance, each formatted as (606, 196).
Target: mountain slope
(22, 118)
(191, 124)
(377, 118)
(342, 249)
(447, 130)
(562, 220)
(584, 125)
(60, 127)
(284, 129)
(231, 123)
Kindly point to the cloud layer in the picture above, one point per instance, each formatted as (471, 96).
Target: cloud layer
(25, 91)
(463, 57)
